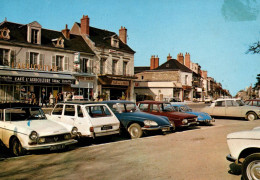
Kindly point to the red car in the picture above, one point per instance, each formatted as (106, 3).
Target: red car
(178, 119)
(253, 102)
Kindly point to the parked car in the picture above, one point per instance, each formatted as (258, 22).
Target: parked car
(232, 108)
(24, 127)
(253, 102)
(203, 118)
(161, 108)
(208, 99)
(244, 149)
(92, 120)
(136, 122)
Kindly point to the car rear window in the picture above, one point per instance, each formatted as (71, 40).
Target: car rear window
(98, 111)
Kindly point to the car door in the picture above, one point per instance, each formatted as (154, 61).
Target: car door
(82, 121)
(69, 114)
(219, 109)
(233, 109)
(56, 113)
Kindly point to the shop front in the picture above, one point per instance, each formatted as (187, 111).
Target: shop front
(115, 88)
(32, 87)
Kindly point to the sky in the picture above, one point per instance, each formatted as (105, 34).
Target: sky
(216, 33)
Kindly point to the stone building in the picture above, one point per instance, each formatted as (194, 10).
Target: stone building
(36, 61)
(113, 62)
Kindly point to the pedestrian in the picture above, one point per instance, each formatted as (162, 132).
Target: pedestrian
(44, 99)
(51, 100)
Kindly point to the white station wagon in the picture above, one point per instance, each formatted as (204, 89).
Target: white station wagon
(232, 108)
(24, 127)
(92, 120)
(244, 149)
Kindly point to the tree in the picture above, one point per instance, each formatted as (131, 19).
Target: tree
(255, 48)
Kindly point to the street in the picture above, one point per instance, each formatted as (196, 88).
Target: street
(195, 153)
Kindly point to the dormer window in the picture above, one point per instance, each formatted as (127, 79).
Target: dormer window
(115, 41)
(58, 42)
(4, 33)
(34, 33)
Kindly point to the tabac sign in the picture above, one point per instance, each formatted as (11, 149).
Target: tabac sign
(38, 80)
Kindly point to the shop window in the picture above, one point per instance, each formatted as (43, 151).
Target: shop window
(4, 57)
(114, 67)
(124, 68)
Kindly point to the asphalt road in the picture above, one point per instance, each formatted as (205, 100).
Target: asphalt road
(194, 153)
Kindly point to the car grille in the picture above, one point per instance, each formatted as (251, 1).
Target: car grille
(53, 139)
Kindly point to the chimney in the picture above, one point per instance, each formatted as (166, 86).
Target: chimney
(156, 62)
(152, 62)
(123, 34)
(169, 57)
(204, 74)
(66, 32)
(85, 25)
(187, 60)
(180, 58)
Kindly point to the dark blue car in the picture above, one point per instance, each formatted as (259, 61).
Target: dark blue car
(136, 122)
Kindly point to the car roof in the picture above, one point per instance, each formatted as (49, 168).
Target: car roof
(16, 105)
(117, 101)
(153, 102)
(253, 100)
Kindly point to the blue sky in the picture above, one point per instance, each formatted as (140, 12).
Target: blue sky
(216, 33)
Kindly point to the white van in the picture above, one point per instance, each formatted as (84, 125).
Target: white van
(92, 120)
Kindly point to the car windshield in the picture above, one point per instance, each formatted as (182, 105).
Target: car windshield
(167, 107)
(24, 114)
(185, 109)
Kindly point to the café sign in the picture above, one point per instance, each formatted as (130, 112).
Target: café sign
(39, 80)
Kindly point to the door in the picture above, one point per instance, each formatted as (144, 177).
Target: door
(219, 109)
(57, 113)
(81, 121)
(233, 109)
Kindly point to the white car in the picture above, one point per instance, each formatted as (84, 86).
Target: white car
(244, 149)
(24, 127)
(92, 120)
(232, 108)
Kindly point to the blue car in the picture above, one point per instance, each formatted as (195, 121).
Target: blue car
(203, 118)
(135, 122)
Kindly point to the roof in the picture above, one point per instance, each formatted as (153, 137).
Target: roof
(139, 69)
(14, 105)
(102, 38)
(173, 64)
(153, 102)
(18, 33)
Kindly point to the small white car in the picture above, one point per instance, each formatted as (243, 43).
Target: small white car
(24, 127)
(232, 108)
(92, 120)
(244, 149)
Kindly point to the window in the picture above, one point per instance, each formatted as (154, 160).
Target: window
(142, 77)
(84, 65)
(4, 57)
(59, 62)
(154, 108)
(57, 110)
(80, 113)
(33, 59)
(229, 103)
(186, 79)
(254, 103)
(114, 65)
(102, 66)
(124, 68)
(220, 104)
(69, 110)
(98, 111)
(34, 36)
(143, 107)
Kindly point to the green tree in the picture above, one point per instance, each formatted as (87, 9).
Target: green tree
(254, 48)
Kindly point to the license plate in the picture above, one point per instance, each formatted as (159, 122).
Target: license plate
(165, 129)
(106, 127)
(57, 147)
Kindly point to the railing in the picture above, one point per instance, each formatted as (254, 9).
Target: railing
(33, 67)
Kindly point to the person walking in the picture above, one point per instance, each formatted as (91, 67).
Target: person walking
(44, 99)
(51, 100)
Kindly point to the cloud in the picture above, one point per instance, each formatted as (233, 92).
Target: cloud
(240, 10)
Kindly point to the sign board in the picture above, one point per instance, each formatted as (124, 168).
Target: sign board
(76, 57)
(120, 83)
(77, 97)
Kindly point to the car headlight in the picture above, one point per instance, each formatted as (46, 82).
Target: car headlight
(196, 119)
(184, 121)
(33, 135)
(199, 117)
(41, 140)
(150, 123)
(67, 136)
(74, 131)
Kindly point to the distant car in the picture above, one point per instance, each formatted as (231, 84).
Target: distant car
(244, 149)
(24, 127)
(232, 108)
(253, 102)
(92, 120)
(208, 99)
(161, 108)
(203, 118)
(136, 122)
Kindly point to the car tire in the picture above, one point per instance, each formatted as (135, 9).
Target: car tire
(173, 126)
(251, 166)
(16, 148)
(135, 131)
(251, 116)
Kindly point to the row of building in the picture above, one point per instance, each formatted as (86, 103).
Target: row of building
(91, 64)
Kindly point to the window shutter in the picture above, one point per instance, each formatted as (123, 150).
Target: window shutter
(53, 63)
(42, 60)
(27, 58)
(66, 64)
(13, 58)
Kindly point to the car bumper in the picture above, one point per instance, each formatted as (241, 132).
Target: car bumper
(59, 145)
(163, 128)
(231, 158)
(107, 133)
(206, 120)
(189, 124)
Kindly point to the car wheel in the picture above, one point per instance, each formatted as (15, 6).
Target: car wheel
(251, 116)
(16, 148)
(251, 167)
(135, 131)
(173, 126)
